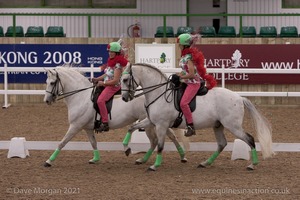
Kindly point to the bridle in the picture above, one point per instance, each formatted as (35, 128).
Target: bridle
(132, 82)
(55, 92)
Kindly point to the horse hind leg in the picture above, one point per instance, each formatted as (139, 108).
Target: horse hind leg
(222, 142)
(170, 134)
(248, 139)
(92, 139)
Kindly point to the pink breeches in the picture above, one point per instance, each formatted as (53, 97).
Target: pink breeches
(106, 94)
(189, 93)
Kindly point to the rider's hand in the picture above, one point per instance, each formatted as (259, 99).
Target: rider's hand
(100, 83)
(94, 80)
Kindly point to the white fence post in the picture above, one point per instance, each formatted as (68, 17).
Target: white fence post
(92, 71)
(6, 105)
(223, 76)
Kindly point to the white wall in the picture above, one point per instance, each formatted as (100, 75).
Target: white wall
(261, 7)
(102, 26)
(205, 7)
(116, 26)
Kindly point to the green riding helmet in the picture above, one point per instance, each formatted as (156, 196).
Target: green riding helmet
(114, 47)
(184, 39)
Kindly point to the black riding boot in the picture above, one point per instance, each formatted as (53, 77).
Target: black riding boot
(103, 127)
(190, 130)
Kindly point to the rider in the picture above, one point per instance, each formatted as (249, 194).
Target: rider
(110, 80)
(193, 70)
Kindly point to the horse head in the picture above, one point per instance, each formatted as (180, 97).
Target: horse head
(128, 84)
(54, 86)
(64, 81)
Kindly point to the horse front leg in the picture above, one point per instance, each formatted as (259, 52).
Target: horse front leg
(92, 139)
(135, 126)
(150, 132)
(161, 131)
(72, 131)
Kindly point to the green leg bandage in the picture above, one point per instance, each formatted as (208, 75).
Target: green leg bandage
(254, 157)
(147, 155)
(96, 155)
(180, 151)
(126, 139)
(54, 155)
(158, 160)
(213, 157)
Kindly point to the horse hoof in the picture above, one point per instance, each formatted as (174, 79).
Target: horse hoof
(250, 168)
(47, 164)
(151, 169)
(128, 152)
(93, 161)
(201, 166)
(184, 160)
(137, 162)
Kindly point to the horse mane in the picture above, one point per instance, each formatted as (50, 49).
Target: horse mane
(152, 67)
(71, 67)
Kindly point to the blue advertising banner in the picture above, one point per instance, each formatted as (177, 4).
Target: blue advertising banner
(48, 55)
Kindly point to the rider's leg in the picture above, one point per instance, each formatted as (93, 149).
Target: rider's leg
(189, 93)
(106, 94)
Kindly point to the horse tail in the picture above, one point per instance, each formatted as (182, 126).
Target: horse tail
(263, 129)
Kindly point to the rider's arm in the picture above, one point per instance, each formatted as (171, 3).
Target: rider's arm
(100, 78)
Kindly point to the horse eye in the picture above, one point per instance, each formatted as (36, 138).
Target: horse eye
(52, 83)
(125, 80)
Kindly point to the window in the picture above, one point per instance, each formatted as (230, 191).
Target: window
(290, 3)
(68, 4)
(216, 3)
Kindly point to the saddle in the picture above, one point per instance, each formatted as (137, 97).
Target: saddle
(95, 94)
(178, 93)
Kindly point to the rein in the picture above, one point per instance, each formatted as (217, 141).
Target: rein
(65, 95)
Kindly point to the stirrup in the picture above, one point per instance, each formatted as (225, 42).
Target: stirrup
(97, 124)
(103, 127)
(190, 131)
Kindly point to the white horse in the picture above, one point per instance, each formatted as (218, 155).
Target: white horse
(220, 108)
(68, 83)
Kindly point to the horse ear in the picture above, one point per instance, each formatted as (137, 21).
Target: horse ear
(48, 71)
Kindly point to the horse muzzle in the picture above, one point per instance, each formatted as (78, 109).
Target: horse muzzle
(125, 98)
(50, 99)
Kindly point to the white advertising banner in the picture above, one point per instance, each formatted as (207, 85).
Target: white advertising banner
(161, 56)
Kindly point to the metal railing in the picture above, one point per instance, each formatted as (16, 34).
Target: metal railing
(91, 69)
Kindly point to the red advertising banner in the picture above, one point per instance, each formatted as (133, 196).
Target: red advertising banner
(286, 56)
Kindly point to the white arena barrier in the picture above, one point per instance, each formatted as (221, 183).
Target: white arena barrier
(140, 145)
